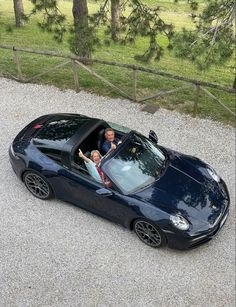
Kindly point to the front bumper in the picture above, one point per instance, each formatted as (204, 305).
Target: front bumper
(186, 241)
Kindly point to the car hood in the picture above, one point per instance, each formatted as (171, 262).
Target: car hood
(186, 187)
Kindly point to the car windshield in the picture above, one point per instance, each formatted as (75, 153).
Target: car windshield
(119, 127)
(136, 165)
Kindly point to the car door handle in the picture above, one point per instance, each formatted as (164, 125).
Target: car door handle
(104, 192)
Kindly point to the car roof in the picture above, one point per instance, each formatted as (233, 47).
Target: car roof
(64, 129)
(80, 136)
(86, 125)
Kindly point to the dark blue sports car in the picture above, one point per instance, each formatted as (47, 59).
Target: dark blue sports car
(164, 196)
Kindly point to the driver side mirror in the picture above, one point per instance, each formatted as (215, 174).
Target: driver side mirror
(153, 137)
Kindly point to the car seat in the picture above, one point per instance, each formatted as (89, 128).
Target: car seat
(100, 140)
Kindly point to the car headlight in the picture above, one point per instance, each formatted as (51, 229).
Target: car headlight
(179, 222)
(213, 174)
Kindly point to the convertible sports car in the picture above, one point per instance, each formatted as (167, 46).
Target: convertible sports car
(164, 196)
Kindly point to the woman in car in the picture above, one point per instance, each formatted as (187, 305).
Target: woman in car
(92, 165)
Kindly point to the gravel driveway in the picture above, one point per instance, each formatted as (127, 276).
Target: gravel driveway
(55, 254)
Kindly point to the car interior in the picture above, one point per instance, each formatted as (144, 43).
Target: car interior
(93, 141)
(91, 137)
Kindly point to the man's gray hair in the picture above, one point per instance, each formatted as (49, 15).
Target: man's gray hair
(109, 129)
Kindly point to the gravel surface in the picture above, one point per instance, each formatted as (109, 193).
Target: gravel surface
(55, 254)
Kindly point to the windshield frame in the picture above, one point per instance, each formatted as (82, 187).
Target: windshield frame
(111, 155)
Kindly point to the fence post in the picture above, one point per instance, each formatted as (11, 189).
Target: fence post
(195, 106)
(17, 62)
(75, 75)
(134, 77)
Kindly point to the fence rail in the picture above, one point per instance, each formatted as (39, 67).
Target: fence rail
(77, 61)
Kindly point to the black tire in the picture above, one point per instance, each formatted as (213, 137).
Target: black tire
(37, 185)
(149, 233)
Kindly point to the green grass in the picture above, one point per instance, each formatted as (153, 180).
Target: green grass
(31, 37)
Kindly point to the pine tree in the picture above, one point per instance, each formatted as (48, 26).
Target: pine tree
(213, 39)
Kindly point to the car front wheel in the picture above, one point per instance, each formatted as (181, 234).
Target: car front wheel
(149, 233)
(37, 185)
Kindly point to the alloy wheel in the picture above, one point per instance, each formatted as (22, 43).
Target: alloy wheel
(148, 233)
(37, 185)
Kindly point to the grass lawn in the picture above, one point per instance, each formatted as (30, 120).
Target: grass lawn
(32, 37)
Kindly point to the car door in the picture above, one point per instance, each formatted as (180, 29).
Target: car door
(82, 191)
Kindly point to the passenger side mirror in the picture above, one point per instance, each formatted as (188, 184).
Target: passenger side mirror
(153, 137)
(104, 192)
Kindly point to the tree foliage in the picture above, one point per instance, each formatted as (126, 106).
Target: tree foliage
(53, 20)
(213, 39)
(146, 22)
(142, 21)
(211, 42)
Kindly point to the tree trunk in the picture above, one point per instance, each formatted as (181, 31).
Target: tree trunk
(115, 19)
(234, 85)
(19, 10)
(82, 36)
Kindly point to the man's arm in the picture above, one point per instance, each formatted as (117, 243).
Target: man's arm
(118, 141)
(106, 147)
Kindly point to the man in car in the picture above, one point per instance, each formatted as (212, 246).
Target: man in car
(111, 141)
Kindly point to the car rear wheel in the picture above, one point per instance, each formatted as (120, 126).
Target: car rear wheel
(149, 233)
(37, 185)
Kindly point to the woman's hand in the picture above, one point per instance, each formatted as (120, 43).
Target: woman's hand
(81, 155)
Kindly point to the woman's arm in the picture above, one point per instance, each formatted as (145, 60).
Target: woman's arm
(91, 167)
(81, 155)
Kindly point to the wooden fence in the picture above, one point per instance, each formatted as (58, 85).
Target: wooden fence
(75, 61)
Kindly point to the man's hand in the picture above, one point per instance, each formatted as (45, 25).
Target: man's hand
(113, 146)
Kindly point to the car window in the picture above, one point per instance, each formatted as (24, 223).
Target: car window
(79, 167)
(136, 165)
(82, 171)
(52, 153)
(58, 131)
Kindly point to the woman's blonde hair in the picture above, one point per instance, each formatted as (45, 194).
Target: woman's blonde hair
(95, 151)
